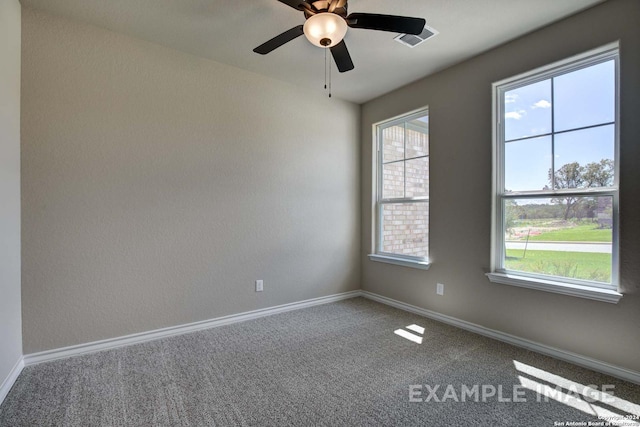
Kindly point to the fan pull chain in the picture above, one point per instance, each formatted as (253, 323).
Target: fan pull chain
(329, 77)
(325, 69)
(327, 63)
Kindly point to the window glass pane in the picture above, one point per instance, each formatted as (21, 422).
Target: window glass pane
(527, 110)
(568, 237)
(417, 137)
(404, 166)
(393, 180)
(405, 229)
(392, 144)
(585, 97)
(584, 158)
(417, 177)
(527, 164)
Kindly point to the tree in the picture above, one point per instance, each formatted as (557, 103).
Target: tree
(572, 175)
(568, 176)
(513, 212)
(598, 174)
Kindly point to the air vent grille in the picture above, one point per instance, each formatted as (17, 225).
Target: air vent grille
(414, 40)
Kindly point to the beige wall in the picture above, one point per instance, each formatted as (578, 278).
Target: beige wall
(459, 102)
(10, 320)
(157, 186)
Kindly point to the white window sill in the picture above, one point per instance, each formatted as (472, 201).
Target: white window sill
(606, 295)
(422, 265)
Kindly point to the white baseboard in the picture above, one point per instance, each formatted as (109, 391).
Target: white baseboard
(61, 353)
(576, 359)
(111, 343)
(11, 379)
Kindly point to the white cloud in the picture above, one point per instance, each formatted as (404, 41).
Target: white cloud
(517, 115)
(511, 98)
(543, 103)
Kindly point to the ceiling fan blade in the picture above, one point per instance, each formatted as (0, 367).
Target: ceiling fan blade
(279, 40)
(293, 3)
(341, 55)
(392, 23)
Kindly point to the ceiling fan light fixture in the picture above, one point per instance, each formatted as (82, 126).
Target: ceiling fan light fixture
(326, 25)
(325, 29)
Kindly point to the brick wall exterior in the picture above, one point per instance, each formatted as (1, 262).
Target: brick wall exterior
(405, 174)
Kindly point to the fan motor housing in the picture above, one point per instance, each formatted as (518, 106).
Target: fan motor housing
(323, 6)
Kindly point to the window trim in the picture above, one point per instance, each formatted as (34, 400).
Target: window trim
(377, 254)
(567, 286)
(405, 262)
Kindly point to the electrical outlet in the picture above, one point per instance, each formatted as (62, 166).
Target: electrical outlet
(259, 285)
(440, 289)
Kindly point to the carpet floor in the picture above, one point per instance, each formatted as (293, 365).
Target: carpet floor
(344, 363)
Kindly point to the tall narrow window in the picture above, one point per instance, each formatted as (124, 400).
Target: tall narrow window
(556, 177)
(402, 196)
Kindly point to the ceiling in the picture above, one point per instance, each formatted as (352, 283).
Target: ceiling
(227, 30)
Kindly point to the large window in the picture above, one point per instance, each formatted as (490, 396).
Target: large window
(402, 195)
(556, 177)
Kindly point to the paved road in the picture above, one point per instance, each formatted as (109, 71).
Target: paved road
(603, 248)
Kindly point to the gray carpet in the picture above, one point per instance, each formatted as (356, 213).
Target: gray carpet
(335, 364)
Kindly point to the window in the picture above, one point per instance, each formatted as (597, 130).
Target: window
(555, 218)
(402, 195)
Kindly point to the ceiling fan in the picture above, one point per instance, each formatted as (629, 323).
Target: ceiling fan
(327, 23)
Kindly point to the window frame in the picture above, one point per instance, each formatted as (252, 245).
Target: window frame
(568, 286)
(378, 201)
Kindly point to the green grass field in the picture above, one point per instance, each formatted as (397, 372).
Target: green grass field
(578, 265)
(580, 233)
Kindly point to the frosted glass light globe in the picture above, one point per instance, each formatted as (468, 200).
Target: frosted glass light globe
(325, 29)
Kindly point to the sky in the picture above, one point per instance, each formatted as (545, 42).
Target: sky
(584, 97)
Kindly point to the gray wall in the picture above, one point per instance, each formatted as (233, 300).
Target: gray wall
(157, 186)
(460, 108)
(10, 319)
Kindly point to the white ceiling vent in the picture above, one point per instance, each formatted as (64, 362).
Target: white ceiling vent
(414, 40)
